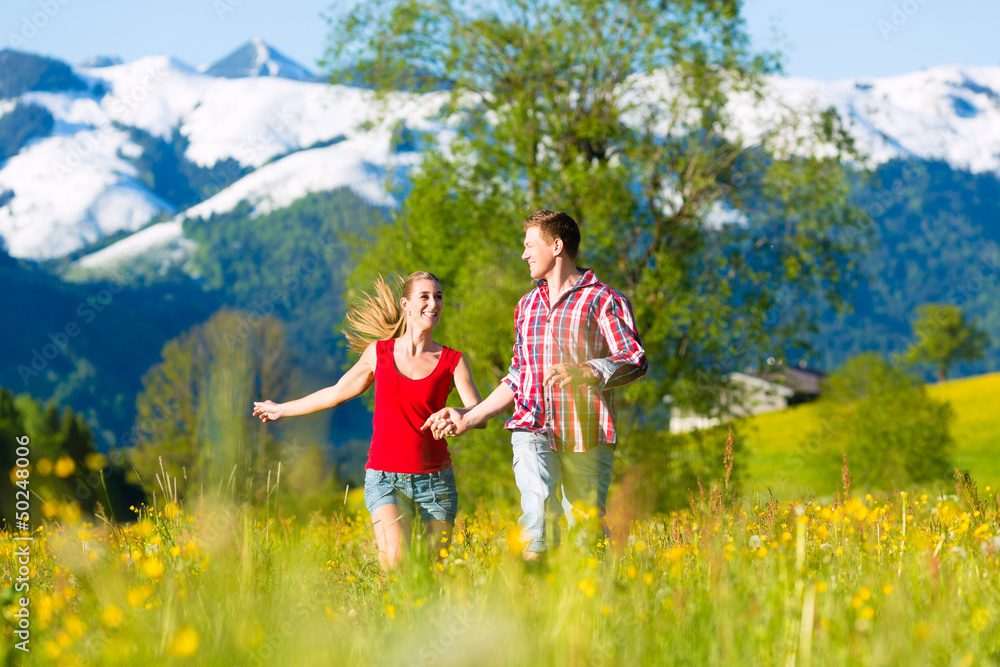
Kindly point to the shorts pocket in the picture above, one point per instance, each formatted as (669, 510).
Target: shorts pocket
(377, 487)
(444, 493)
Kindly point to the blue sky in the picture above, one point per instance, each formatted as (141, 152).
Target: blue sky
(824, 39)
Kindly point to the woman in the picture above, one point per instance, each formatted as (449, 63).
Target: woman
(408, 471)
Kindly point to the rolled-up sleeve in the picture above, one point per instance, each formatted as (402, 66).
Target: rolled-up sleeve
(513, 377)
(627, 361)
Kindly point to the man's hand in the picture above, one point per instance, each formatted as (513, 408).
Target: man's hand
(446, 422)
(268, 411)
(569, 375)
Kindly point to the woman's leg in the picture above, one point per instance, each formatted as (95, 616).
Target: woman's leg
(392, 529)
(436, 502)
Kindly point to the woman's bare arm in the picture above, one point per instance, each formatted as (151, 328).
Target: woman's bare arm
(353, 383)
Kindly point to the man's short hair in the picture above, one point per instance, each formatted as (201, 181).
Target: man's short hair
(556, 225)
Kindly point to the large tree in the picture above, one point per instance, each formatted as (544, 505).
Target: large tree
(620, 112)
(720, 230)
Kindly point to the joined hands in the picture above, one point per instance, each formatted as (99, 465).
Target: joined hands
(447, 422)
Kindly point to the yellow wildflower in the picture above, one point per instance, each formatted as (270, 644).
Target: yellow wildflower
(152, 567)
(980, 618)
(65, 466)
(185, 642)
(112, 616)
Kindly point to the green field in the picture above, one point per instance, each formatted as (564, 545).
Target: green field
(898, 578)
(872, 581)
(772, 440)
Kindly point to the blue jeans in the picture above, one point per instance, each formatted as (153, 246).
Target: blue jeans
(431, 495)
(583, 478)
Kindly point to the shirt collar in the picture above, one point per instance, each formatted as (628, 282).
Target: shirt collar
(588, 278)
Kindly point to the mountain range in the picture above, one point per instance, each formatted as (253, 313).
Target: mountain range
(284, 134)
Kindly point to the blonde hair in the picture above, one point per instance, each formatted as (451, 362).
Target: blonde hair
(379, 316)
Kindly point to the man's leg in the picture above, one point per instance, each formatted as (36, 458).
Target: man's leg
(537, 473)
(585, 481)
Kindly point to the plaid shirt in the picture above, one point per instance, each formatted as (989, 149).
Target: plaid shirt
(590, 324)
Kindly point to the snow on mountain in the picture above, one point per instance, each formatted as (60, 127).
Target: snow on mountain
(160, 245)
(257, 58)
(73, 187)
(253, 120)
(948, 113)
(154, 93)
(361, 163)
(303, 136)
(273, 117)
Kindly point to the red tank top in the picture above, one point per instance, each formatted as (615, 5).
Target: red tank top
(402, 406)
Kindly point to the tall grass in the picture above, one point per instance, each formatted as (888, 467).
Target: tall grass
(886, 580)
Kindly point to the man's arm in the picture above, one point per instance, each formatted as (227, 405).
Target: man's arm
(627, 361)
(456, 421)
(502, 398)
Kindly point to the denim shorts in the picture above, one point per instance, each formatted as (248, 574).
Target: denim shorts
(430, 495)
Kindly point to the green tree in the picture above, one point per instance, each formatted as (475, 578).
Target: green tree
(620, 113)
(944, 338)
(194, 412)
(66, 467)
(893, 433)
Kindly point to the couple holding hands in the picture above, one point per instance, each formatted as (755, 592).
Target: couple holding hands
(575, 341)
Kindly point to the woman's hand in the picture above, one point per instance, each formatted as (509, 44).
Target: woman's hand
(268, 411)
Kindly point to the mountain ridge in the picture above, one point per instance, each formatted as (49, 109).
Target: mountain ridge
(951, 113)
(258, 58)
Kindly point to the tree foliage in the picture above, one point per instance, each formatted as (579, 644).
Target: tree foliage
(620, 113)
(893, 433)
(194, 410)
(944, 337)
(68, 473)
(21, 124)
(22, 72)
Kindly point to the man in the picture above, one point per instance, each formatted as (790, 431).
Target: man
(575, 341)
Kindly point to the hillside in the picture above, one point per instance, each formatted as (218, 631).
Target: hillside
(87, 346)
(773, 441)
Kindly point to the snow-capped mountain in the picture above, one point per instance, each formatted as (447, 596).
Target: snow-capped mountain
(80, 183)
(257, 58)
